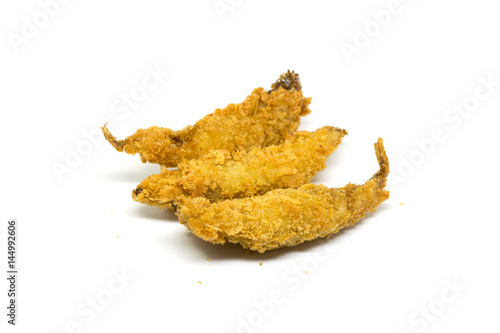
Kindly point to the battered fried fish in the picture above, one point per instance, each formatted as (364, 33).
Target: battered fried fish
(285, 217)
(265, 118)
(222, 175)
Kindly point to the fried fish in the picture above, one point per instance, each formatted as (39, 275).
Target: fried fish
(222, 175)
(284, 217)
(264, 119)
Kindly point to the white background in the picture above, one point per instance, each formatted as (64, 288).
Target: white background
(67, 79)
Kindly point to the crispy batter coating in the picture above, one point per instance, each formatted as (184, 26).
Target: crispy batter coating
(263, 119)
(285, 217)
(221, 175)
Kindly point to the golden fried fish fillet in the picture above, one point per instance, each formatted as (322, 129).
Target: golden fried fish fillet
(265, 118)
(285, 217)
(221, 175)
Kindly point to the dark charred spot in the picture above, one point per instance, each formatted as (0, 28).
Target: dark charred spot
(288, 80)
(138, 190)
(173, 205)
(176, 140)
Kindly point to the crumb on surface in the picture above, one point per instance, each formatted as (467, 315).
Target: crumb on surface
(401, 204)
(116, 236)
(260, 263)
(307, 272)
(200, 282)
(208, 259)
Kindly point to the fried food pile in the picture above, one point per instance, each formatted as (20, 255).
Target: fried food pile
(241, 174)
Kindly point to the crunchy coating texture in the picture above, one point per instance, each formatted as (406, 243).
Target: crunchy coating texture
(221, 175)
(263, 119)
(285, 217)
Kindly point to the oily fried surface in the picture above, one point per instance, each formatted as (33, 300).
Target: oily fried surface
(284, 217)
(221, 175)
(263, 119)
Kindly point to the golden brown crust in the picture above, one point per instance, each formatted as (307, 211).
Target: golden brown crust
(288, 80)
(262, 120)
(284, 217)
(159, 189)
(221, 175)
